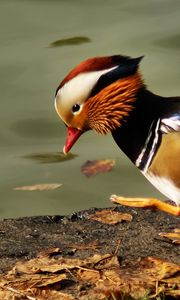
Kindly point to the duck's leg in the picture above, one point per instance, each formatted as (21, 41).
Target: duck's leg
(147, 202)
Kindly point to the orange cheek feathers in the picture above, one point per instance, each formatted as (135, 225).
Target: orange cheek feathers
(79, 121)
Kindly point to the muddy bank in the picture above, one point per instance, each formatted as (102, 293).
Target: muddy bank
(23, 238)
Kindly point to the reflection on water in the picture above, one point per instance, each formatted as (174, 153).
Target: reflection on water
(35, 128)
(49, 158)
(77, 40)
(172, 42)
(31, 133)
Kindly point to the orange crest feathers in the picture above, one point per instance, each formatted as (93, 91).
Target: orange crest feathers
(107, 109)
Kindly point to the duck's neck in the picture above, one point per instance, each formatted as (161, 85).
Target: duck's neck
(134, 134)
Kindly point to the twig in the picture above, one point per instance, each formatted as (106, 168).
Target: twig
(117, 247)
(20, 293)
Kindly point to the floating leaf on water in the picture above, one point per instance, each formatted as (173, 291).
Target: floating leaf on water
(39, 187)
(49, 158)
(93, 167)
(109, 216)
(77, 40)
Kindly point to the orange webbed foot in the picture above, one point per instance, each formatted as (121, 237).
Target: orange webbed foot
(146, 203)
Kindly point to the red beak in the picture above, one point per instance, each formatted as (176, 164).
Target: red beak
(72, 136)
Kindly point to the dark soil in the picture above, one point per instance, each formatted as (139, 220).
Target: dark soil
(23, 238)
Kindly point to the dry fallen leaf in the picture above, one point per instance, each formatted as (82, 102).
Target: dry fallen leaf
(34, 294)
(174, 236)
(109, 216)
(157, 269)
(93, 167)
(150, 274)
(97, 277)
(50, 264)
(39, 187)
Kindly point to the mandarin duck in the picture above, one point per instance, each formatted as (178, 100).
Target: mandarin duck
(108, 94)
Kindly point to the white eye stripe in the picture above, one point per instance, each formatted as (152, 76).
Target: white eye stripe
(79, 88)
(76, 91)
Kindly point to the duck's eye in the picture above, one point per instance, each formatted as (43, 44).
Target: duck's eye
(76, 108)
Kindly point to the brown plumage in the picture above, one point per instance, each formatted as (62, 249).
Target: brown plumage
(166, 162)
(109, 107)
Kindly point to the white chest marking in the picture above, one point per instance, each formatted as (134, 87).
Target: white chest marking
(165, 186)
(155, 132)
(163, 126)
(170, 124)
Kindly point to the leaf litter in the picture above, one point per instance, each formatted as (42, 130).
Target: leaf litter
(110, 216)
(100, 276)
(173, 236)
(52, 276)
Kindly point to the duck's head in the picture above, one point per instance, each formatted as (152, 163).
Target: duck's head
(97, 94)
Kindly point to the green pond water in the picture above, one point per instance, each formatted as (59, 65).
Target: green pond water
(40, 41)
